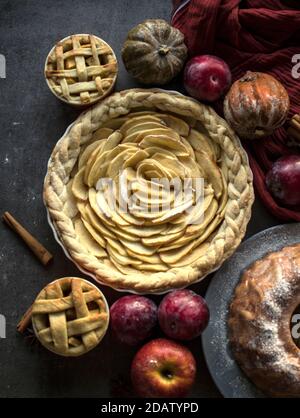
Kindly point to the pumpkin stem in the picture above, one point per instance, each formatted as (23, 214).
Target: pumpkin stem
(249, 76)
(163, 50)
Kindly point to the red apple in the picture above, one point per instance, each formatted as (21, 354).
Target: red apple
(183, 314)
(133, 318)
(163, 368)
(207, 77)
(283, 180)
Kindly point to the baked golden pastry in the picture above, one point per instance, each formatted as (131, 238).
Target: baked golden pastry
(259, 322)
(140, 136)
(81, 69)
(70, 316)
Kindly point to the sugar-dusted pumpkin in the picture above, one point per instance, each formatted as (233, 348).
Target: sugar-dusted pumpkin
(154, 52)
(256, 105)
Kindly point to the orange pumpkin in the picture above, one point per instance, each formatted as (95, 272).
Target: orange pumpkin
(256, 105)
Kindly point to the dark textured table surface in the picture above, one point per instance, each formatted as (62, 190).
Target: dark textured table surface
(31, 121)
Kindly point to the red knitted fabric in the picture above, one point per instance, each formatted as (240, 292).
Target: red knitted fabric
(256, 35)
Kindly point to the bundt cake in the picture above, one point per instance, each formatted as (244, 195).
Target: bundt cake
(260, 318)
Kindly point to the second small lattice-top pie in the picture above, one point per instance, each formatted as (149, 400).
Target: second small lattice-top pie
(70, 316)
(81, 69)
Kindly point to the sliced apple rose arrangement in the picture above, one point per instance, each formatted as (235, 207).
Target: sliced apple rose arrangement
(134, 152)
(149, 191)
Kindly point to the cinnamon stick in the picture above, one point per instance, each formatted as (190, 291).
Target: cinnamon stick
(294, 128)
(294, 134)
(25, 321)
(43, 255)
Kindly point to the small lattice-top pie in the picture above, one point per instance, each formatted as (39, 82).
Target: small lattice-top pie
(70, 316)
(157, 241)
(81, 69)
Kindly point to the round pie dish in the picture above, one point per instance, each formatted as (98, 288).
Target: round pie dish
(148, 135)
(81, 70)
(70, 316)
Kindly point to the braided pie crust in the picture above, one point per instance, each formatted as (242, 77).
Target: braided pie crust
(149, 132)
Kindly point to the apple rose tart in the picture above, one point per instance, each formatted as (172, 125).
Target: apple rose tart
(149, 191)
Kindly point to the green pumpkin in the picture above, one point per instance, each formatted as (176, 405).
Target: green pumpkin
(154, 52)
